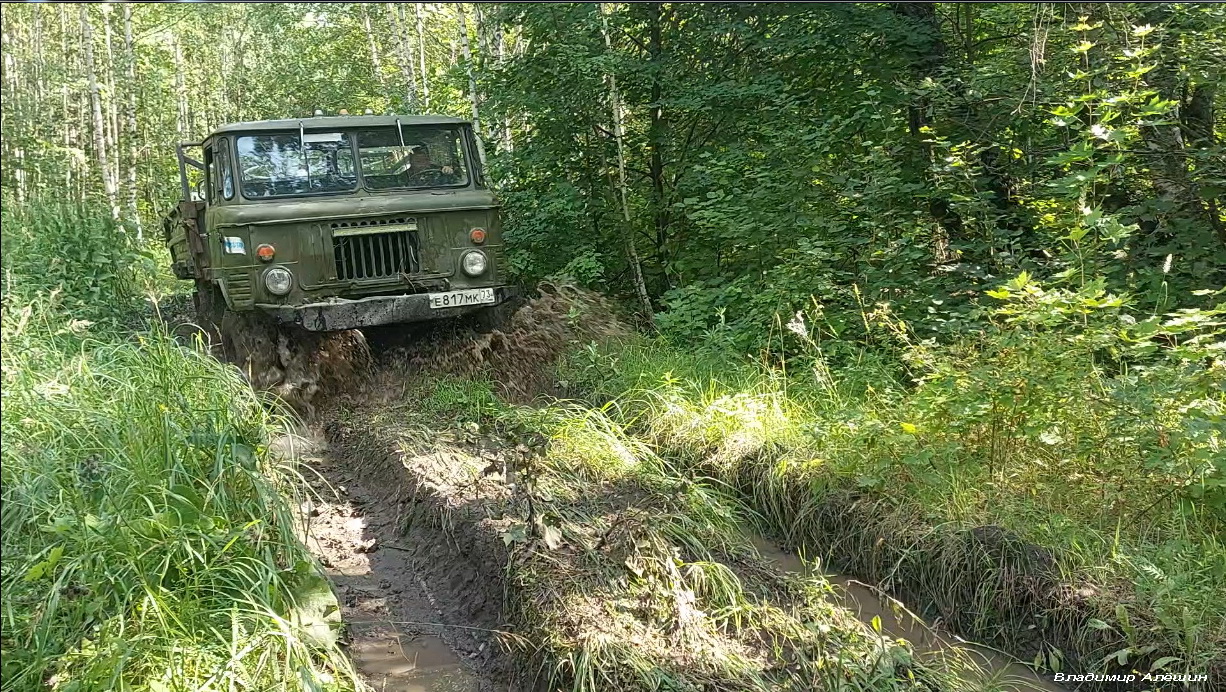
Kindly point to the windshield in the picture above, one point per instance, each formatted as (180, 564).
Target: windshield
(278, 165)
(429, 157)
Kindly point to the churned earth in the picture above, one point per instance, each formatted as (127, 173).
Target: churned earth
(406, 600)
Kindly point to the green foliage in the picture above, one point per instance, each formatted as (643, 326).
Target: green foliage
(148, 540)
(952, 149)
(70, 250)
(1090, 435)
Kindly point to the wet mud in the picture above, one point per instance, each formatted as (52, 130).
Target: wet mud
(897, 621)
(414, 616)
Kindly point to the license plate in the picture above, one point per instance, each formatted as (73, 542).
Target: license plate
(459, 299)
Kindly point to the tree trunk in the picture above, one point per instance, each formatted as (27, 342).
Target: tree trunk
(183, 122)
(925, 66)
(466, 49)
(65, 112)
(500, 43)
(632, 254)
(404, 52)
(483, 40)
(421, 56)
(12, 151)
(658, 128)
(130, 121)
(111, 102)
(376, 65)
(1197, 119)
(99, 124)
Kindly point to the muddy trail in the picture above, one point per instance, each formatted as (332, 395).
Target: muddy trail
(413, 621)
(478, 555)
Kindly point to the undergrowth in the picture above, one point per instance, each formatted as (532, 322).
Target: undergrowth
(147, 534)
(1056, 485)
(626, 572)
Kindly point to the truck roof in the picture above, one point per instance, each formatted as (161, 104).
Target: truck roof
(336, 122)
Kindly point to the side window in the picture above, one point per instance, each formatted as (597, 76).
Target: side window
(224, 171)
(210, 175)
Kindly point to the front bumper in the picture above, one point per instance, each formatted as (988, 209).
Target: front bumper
(343, 313)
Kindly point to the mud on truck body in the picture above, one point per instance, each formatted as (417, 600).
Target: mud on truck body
(333, 223)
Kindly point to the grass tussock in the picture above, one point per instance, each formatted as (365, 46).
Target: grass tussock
(622, 570)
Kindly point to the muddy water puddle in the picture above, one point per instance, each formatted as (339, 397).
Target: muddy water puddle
(997, 673)
(392, 661)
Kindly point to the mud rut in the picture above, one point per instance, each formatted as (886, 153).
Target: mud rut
(421, 589)
(406, 597)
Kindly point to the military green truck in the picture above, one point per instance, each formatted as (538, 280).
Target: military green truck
(334, 223)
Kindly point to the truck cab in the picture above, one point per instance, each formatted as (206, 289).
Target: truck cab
(332, 223)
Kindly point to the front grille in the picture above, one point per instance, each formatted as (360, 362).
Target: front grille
(238, 286)
(375, 255)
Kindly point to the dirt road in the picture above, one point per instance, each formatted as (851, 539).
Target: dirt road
(404, 598)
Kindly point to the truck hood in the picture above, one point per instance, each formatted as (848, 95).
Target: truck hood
(309, 209)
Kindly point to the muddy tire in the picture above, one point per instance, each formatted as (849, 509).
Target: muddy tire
(294, 364)
(499, 316)
(210, 306)
(250, 340)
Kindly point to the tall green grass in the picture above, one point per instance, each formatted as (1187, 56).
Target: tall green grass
(1055, 486)
(147, 534)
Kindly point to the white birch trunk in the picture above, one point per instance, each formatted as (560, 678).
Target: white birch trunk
(500, 45)
(130, 120)
(65, 111)
(375, 64)
(182, 124)
(110, 101)
(421, 57)
(404, 53)
(636, 267)
(95, 102)
(466, 50)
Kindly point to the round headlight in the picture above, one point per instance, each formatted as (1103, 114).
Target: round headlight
(278, 280)
(473, 263)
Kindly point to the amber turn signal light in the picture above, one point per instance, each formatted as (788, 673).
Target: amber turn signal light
(477, 235)
(265, 252)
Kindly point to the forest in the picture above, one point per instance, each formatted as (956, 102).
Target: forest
(931, 295)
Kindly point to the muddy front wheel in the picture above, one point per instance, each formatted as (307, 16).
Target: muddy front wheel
(293, 363)
(251, 341)
(210, 306)
(498, 316)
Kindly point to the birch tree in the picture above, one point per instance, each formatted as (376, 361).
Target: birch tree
(466, 51)
(404, 52)
(101, 145)
(183, 122)
(421, 56)
(619, 134)
(376, 65)
(130, 119)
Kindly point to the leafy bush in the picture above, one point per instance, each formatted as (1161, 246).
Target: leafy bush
(72, 249)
